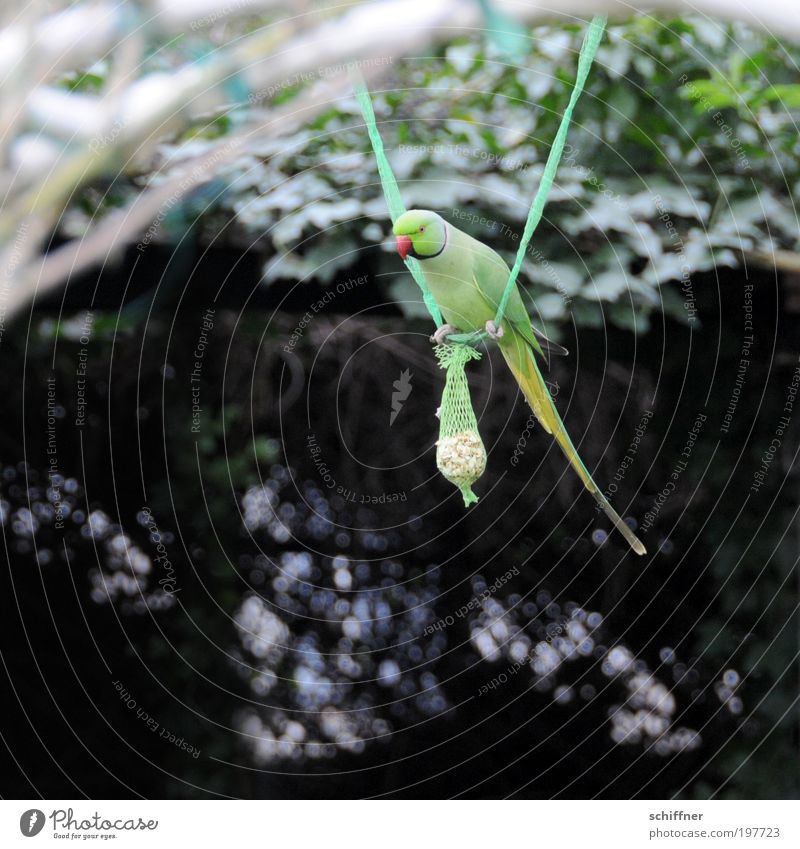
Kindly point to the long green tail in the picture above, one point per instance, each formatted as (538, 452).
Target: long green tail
(521, 360)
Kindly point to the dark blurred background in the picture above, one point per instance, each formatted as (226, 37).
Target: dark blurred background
(300, 616)
(230, 573)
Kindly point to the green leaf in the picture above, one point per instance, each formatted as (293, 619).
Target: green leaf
(707, 94)
(787, 95)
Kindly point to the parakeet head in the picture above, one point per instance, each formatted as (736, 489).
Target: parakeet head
(420, 233)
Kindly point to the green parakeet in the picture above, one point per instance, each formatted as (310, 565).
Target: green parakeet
(467, 279)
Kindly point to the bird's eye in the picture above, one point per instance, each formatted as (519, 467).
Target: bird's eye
(422, 229)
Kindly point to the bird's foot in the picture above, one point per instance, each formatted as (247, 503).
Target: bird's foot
(440, 337)
(494, 331)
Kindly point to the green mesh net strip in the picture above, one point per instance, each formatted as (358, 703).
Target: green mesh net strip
(392, 193)
(460, 453)
(456, 413)
(585, 59)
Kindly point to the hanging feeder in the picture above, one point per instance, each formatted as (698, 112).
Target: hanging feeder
(460, 453)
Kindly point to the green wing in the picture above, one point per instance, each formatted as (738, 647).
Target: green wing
(490, 273)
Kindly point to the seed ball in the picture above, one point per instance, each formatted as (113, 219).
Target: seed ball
(461, 458)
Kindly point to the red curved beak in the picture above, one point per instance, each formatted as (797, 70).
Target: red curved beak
(403, 246)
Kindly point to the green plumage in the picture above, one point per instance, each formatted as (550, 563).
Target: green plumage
(467, 279)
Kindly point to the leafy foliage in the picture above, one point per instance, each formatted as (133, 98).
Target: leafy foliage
(683, 155)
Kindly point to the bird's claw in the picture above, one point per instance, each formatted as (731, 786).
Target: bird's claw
(441, 334)
(493, 331)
